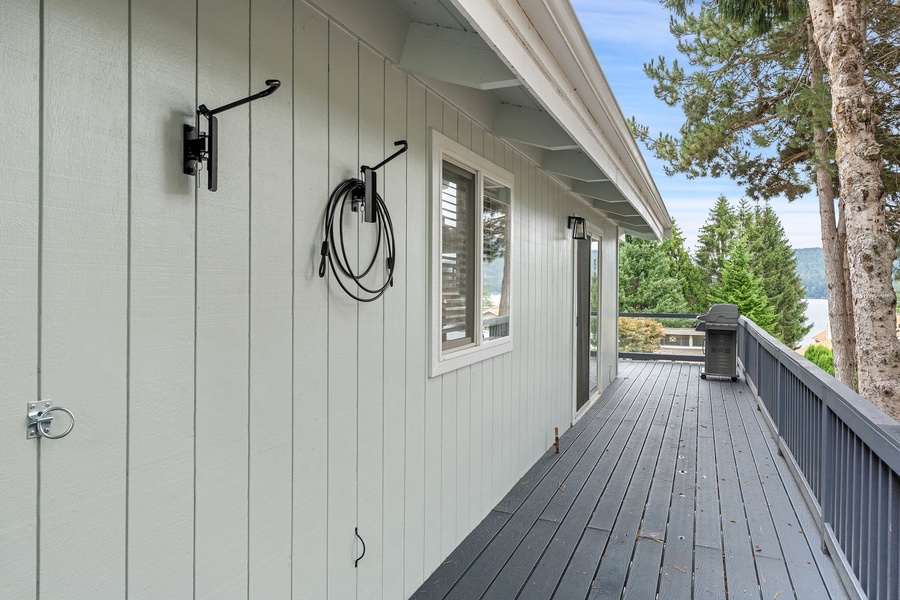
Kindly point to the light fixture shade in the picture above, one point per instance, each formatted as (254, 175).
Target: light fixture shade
(576, 224)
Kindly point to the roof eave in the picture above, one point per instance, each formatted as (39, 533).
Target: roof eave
(559, 68)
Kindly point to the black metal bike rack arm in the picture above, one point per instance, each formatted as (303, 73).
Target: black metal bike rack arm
(199, 147)
(273, 84)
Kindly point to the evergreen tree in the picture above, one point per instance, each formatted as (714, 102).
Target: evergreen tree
(685, 272)
(774, 262)
(836, 33)
(740, 286)
(746, 217)
(645, 281)
(714, 239)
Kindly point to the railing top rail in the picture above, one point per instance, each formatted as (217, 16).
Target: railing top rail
(658, 315)
(877, 430)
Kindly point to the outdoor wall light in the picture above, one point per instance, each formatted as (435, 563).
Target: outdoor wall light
(576, 224)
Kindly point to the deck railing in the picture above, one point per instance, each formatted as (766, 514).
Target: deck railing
(845, 453)
(676, 349)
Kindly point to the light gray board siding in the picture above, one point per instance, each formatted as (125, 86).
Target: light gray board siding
(311, 299)
(84, 297)
(343, 322)
(393, 183)
(161, 346)
(417, 319)
(19, 254)
(271, 306)
(237, 415)
(223, 313)
(370, 339)
(433, 398)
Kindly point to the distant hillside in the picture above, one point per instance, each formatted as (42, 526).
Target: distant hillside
(811, 268)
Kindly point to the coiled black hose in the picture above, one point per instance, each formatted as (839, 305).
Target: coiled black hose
(335, 253)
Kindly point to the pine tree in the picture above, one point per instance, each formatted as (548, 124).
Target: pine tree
(714, 239)
(740, 286)
(685, 272)
(645, 282)
(774, 262)
(839, 31)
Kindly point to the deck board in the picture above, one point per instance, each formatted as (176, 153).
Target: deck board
(668, 485)
(675, 580)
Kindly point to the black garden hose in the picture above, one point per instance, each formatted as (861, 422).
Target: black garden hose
(335, 252)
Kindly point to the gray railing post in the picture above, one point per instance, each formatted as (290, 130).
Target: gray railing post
(826, 501)
(756, 365)
(781, 405)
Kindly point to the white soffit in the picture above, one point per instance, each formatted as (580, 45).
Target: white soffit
(543, 44)
(455, 56)
(532, 127)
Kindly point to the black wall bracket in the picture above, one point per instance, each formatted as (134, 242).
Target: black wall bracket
(199, 146)
(366, 196)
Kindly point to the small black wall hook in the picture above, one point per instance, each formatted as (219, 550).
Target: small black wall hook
(370, 182)
(356, 562)
(205, 146)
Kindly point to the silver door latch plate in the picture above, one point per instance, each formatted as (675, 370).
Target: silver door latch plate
(40, 420)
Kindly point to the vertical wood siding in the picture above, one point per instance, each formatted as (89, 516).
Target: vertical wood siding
(161, 320)
(238, 417)
(20, 122)
(84, 296)
(222, 406)
(271, 307)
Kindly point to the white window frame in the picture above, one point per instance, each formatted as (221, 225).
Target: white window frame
(443, 148)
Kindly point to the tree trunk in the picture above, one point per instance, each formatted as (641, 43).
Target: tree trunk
(840, 317)
(504, 287)
(840, 36)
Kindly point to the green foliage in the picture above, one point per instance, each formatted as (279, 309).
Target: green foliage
(773, 261)
(640, 335)
(822, 357)
(646, 281)
(739, 285)
(748, 105)
(685, 272)
(738, 251)
(715, 239)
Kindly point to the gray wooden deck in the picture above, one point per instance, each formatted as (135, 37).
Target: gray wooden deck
(669, 487)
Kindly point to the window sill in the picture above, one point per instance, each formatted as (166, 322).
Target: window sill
(452, 361)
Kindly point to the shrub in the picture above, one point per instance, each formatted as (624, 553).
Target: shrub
(822, 357)
(640, 335)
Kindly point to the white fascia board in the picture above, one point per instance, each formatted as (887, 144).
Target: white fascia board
(569, 84)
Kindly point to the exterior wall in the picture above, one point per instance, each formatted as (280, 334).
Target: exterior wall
(238, 416)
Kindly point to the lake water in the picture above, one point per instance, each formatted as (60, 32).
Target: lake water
(817, 314)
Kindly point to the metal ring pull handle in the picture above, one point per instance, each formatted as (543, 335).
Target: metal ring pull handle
(40, 419)
(45, 433)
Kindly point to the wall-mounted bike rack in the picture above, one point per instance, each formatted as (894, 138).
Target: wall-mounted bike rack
(367, 195)
(199, 147)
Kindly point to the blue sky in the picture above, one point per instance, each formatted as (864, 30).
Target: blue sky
(624, 36)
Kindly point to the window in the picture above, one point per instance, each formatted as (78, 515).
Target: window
(471, 257)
